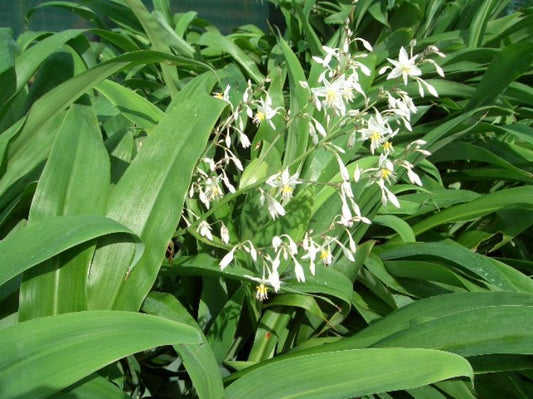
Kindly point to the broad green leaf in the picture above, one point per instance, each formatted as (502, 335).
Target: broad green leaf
(311, 36)
(222, 44)
(429, 271)
(399, 225)
(349, 373)
(450, 307)
(75, 181)
(149, 201)
(8, 51)
(306, 302)
(507, 66)
(133, 106)
(199, 358)
(458, 150)
(46, 352)
(488, 203)
(155, 33)
(71, 6)
(298, 130)
(31, 146)
(92, 387)
(490, 330)
(270, 334)
(479, 22)
(460, 257)
(40, 241)
(30, 59)
(221, 333)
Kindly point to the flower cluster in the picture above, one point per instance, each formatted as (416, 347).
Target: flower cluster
(338, 107)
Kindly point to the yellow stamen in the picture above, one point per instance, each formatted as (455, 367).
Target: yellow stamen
(286, 189)
(387, 146)
(262, 292)
(324, 254)
(260, 116)
(215, 193)
(376, 136)
(331, 96)
(219, 96)
(385, 173)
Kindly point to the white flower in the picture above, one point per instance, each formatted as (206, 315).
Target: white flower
(261, 292)
(205, 230)
(312, 249)
(387, 195)
(273, 280)
(224, 234)
(210, 191)
(249, 247)
(377, 131)
(325, 254)
(333, 95)
(264, 112)
(285, 183)
(227, 259)
(404, 67)
(299, 271)
(223, 96)
(330, 53)
(274, 208)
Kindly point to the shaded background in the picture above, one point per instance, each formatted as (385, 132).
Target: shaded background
(225, 14)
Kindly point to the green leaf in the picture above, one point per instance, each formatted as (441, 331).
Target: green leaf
(199, 359)
(53, 352)
(350, 373)
(298, 129)
(40, 241)
(155, 33)
(507, 66)
(460, 257)
(92, 387)
(488, 203)
(31, 146)
(8, 77)
(497, 329)
(149, 200)
(30, 59)
(136, 108)
(477, 26)
(221, 334)
(399, 225)
(75, 181)
(450, 307)
(223, 44)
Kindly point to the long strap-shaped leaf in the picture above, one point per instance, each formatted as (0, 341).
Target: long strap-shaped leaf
(199, 359)
(350, 373)
(38, 242)
(75, 181)
(32, 144)
(51, 353)
(149, 199)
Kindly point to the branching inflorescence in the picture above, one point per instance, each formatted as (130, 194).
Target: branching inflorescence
(331, 113)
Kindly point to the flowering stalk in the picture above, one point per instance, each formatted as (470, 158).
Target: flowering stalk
(331, 116)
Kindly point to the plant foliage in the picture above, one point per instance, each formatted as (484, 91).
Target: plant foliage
(337, 207)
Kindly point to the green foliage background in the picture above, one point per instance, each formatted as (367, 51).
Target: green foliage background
(101, 130)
